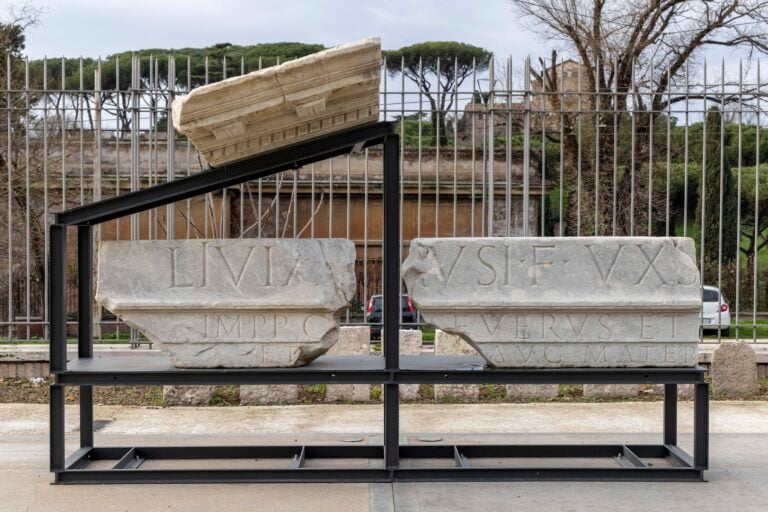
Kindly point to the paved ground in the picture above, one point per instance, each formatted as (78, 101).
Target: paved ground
(738, 480)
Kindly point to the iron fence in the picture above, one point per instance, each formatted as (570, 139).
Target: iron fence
(509, 149)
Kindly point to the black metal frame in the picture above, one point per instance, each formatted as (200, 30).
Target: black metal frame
(626, 462)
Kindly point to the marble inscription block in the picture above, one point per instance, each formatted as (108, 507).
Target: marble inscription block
(230, 303)
(562, 302)
(298, 100)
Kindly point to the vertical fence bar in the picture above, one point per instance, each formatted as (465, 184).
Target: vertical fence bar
(170, 147)
(738, 200)
(703, 193)
(615, 147)
(27, 208)
(526, 147)
(685, 152)
(46, 200)
(437, 136)
(720, 202)
(633, 114)
(9, 189)
(755, 259)
(490, 148)
(579, 182)
(508, 158)
(596, 105)
(651, 113)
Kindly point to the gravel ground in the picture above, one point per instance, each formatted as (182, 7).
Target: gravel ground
(26, 391)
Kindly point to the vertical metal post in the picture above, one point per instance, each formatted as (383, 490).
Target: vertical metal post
(58, 307)
(391, 295)
(670, 414)
(57, 427)
(701, 426)
(58, 346)
(85, 326)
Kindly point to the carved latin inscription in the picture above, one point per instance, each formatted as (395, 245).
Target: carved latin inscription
(231, 303)
(548, 297)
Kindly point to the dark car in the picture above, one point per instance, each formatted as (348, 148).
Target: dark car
(373, 315)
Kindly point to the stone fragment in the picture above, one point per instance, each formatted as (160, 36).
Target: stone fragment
(410, 345)
(230, 303)
(683, 390)
(260, 394)
(611, 390)
(274, 107)
(734, 370)
(447, 344)
(187, 395)
(562, 302)
(527, 391)
(353, 341)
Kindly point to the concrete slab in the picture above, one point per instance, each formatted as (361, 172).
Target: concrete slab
(737, 481)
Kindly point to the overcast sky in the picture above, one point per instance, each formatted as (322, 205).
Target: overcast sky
(93, 28)
(96, 28)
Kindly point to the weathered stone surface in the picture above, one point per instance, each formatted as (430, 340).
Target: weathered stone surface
(299, 100)
(447, 344)
(562, 302)
(734, 370)
(230, 303)
(187, 395)
(525, 391)
(410, 345)
(269, 394)
(611, 390)
(353, 341)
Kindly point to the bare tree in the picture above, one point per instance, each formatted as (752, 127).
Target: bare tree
(625, 46)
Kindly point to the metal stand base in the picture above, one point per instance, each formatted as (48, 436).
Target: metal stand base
(391, 461)
(304, 464)
(386, 463)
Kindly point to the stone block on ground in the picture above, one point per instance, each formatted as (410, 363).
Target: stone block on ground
(410, 345)
(683, 390)
(187, 395)
(611, 390)
(525, 391)
(261, 394)
(447, 344)
(734, 370)
(353, 341)
(348, 393)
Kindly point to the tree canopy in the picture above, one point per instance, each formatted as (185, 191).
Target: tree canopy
(438, 68)
(237, 58)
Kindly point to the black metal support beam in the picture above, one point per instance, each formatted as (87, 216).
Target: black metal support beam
(631, 459)
(85, 325)
(131, 460)
(701, 426)
(391, 296)
(57, 453)
(57, 306)
(670, 414)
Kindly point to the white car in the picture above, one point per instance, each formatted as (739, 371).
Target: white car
(715, 312)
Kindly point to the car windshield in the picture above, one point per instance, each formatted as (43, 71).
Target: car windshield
(377, 302)
(710, 296)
